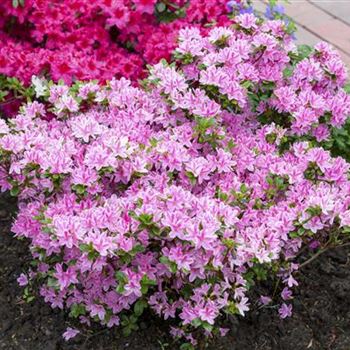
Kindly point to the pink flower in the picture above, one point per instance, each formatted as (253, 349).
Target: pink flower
(4, 129)
(97, 310)
(145, 6)
(119, 16)
(200, 168)
(133, 286)
(285, 310)
(286, 97)
(188, 314)
(22, 280)
(65, 278)
(247, 21)
(114, 321)
(182, 259)
(345, 218)
(85, 126)
(286, 294)
(265, 300)
(321, 133)
(202, 238)
(101, 242)
(208, 312)
(242, 306)
(70, 333)
(223, 331)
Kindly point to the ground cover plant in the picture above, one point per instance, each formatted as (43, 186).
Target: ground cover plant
(181, 194)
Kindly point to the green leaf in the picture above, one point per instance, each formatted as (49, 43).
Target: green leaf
(231, 144)
(52, 282)
(153, 141)
(15, 3)
(127, 331)
(139, 248)
(288, 72)
(144, 289)
(247, 84)
(231, 307)
(260, 272)
(146, 280)
(133, 319)
(346, 229)
(304, 51)
(146, 219)
(347, 88)
(170, 264)
(204, 124)
(139, 307)
(187, 291)
(77, 310)
(79, 189)
(29, 299)
(208, 327)
(187, 346)
(14, 191)
(86, 248)
(89, 249)
(191, 177)
(121, 277)
(196, 322)
(120, 289)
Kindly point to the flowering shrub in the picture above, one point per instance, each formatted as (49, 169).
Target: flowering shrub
(305, 95)
(77, 39)
(180, 195)
(339, 141)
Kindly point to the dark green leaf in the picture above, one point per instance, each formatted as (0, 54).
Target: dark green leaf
(139, 307)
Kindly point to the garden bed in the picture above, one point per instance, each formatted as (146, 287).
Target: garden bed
(321, 318)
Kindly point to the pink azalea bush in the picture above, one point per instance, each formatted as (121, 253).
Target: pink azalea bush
(78, 39)
(181, 194)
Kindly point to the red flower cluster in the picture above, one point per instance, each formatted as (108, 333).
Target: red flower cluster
(78, 39)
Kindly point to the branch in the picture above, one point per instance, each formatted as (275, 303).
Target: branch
(321, 252)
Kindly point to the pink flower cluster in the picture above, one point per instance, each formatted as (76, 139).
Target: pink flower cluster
(303, 95)
(78, 39)
(174, 196)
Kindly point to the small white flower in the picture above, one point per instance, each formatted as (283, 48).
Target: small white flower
(40, 86)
